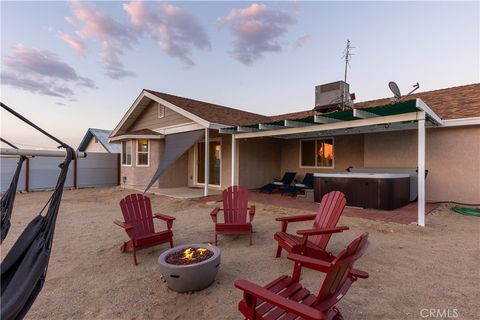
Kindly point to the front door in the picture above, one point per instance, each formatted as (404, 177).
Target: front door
(215, 163)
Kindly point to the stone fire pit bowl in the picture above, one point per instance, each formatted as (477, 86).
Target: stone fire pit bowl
(192, 277)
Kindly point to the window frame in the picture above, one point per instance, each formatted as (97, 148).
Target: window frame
(195, 154)
(131, 154)
(161, 114)
(137, 152)
(316, 149)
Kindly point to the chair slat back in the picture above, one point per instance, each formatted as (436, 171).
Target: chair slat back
(335, 279)
(235, 205)
(329, 212)
(308, 180)
(137, 212)
(288, 177)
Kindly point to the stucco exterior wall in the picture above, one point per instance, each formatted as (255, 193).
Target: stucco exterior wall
(452, 158)
(93, 146)
(149, 118)
(347, 151)
(139, 176)
(259, 161)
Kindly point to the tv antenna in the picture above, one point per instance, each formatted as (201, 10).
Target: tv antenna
(347, 55)
(397, 96)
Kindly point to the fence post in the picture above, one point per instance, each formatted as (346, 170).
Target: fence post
(75, 167)
(27, 175)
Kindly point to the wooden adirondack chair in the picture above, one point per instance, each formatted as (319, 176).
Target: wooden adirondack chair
(313, 242)
(286, 298)
(137, 213)
(235, 207)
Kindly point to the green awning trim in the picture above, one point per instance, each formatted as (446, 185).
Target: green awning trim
(347, 115)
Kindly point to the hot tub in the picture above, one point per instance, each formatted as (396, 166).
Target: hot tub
(385, 191)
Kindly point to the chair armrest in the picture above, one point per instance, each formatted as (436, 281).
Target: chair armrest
(304, 217)
(252, 289)
(311, 263)
(251, 212)
(166, 218)
(313, 232)
(359, 274)
(214, 214)
(124, 225)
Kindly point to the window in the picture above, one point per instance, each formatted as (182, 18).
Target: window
(161, 111)
(143, 152)
(126, 153)
(316, 153)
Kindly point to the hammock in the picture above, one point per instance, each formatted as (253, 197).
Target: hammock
(8, 198)
(24, 269)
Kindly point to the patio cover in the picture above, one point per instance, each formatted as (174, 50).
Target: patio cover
(175, 146)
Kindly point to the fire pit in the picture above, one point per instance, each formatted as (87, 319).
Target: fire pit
(190, 267)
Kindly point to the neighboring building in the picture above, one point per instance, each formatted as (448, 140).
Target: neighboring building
(96, 140)
(375, 134)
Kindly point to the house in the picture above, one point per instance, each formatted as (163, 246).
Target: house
(436, 130)
(96, 140)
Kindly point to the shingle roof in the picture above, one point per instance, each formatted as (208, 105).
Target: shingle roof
(102, 136)
(212, 112)
(449, 103)
(144, 132)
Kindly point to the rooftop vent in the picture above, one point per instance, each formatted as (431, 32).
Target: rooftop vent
(331, 96)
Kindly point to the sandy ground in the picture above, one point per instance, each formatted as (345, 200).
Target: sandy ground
(410, 268)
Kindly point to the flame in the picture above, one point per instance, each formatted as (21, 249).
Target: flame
(187, 254)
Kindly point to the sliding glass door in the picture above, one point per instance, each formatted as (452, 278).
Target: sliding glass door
(215, 161)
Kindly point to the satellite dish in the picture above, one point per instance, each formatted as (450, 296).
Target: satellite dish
(394, 88)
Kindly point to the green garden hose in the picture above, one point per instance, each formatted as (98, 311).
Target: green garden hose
(467, 211)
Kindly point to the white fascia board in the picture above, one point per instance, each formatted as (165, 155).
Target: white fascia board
(362, 114)
(184, 127)
(295, 124)
(217, 126)
(323, 119)
(266, 126)
(128, 113)
(246, 129)
(131, 136)
(423, 106)
(461, 122)
(228, 130)
(411, 116)
(177, 109)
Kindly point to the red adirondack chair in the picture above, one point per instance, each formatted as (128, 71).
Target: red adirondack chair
(137, 213)
(235, 207)
(286, 298)
(313, 242)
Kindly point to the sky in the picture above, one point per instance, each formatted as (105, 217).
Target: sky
(73, 65)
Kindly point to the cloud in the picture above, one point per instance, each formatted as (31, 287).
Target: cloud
(112, 35)
(40, 71)
(256, 30)
(77, 45)
(302, 41)
(176, 30)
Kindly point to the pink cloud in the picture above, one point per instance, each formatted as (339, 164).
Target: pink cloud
(257, 29)
(302, 41)
(113, 36)
(176, 30)
(77, 45)
(40, 71)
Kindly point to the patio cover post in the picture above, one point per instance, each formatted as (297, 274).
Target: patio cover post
(207, 158)
(421, 171)
(234, 156)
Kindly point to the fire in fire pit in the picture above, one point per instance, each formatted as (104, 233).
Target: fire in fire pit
(189, 256)
(190, 267)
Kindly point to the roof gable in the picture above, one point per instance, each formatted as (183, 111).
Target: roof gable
(102, 137)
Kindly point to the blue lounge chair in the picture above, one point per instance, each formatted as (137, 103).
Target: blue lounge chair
(307, 183)
(277, 184)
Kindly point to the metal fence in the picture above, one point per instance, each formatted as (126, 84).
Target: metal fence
(38, 173)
